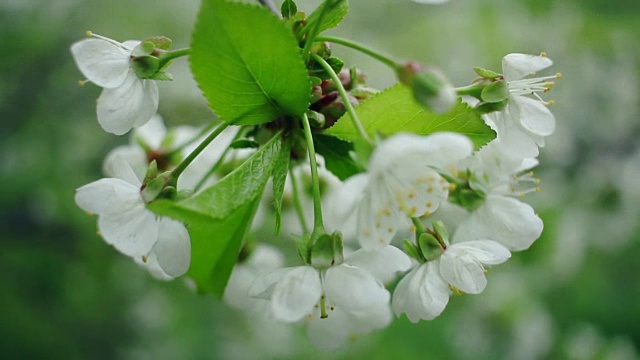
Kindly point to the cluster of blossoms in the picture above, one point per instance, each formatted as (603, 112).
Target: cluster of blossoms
(386, 247)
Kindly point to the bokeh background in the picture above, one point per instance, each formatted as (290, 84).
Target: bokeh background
(65, 294)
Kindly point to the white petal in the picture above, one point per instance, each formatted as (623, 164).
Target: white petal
(266, 257)
(117, 166)
(330, 333)
(106, 195)
(421, 294)
(295, 296)
(264, 285)
(532, 114)
(133, 230)
(173, 247)
(517, 66)
(353, 290)
(463, 272)
(132, 155)
(151, 264)
(102, 62)
(131, 104)
(383, 263)
(506, 220)
(152, 133)
(487, 252)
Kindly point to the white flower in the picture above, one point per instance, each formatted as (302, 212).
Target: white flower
(126, 101)
(354, 300)
(160, 243)
(504, 219)
(424, 292)
(531, 114)
(402, 182)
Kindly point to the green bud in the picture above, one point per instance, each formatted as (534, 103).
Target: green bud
(487, 74)
(322, 49)
(327, 251)
(496, 91)
(429, 246)
(430, 86)
(316, 119)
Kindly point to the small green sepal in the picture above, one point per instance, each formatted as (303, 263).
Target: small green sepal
(145, 66)
(487, 74)
(495, 92)
(429, 246)
(152, 189)
(244, 144)
(412, 251)
(159, 42)
(327, 251)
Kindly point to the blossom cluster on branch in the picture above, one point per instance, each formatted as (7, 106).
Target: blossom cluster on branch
(394, 200)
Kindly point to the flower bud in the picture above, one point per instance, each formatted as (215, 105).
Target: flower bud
(430, 86)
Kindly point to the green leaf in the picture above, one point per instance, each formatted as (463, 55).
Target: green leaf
(316, 70)
(394, 110)
(240, 186)
(247, 63)
(215, 243)
(334, 15)
(337, 155)
(288, 9)
(279, 178)
(218, 217)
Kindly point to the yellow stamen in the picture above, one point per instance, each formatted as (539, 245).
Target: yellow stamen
(543, 54)
(89, 33)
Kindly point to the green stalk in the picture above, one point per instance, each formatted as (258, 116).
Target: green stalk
(315, 30)
(363, 49)
(183, 165)
(345, 98)
(318, 224)
(165, 57)
(297, 204)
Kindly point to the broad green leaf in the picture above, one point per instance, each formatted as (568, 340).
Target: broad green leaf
(218, 217)
(215, 243)
(240, 186)
(279, 179)
(336, 155)
(247, 63)
(334, 15)
(394, 110)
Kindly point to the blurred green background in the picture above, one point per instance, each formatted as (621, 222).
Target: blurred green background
(65, 294)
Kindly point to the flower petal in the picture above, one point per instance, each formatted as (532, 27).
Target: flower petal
(131, 104)
(173, 247)
(133, 230)
(463, 272)
(353, 290)
(421, 294)
(532, 114)
(504, 219)
(117, 166)
(102, 62)
(295, 296)
(106, 195)
(487, 252)
(516, 66)
(383, 263)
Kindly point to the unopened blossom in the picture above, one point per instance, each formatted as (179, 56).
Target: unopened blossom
(126, 100)
(402, 181)
(125, 223)
(424, 292)
(525, 107)
(339, 302)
